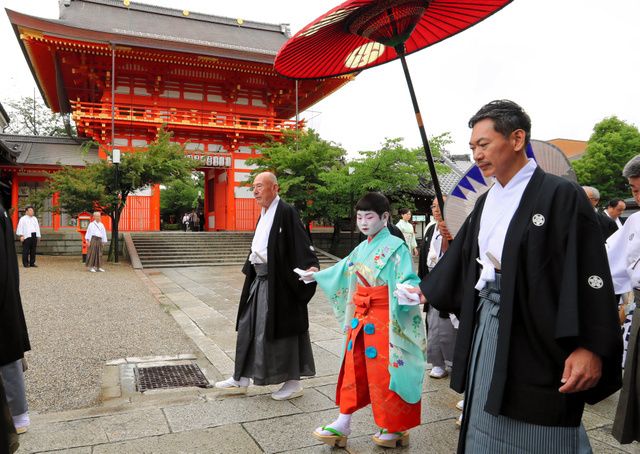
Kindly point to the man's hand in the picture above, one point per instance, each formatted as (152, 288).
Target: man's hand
(313, 269)
(582, 371)
(417, 290)
(415, 252)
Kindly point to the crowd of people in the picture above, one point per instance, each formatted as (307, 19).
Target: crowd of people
(523, 307)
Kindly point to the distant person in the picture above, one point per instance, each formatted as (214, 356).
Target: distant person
(273, 344)
(14, 338)
(96, 236)
(406, 228)
(28, 231)
(195, 220)
(614, 209)
(185, 222)
(607, 225)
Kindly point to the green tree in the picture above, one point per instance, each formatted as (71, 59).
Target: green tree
(611, 145)
(180, 196)
(30, 116)
(300, 161)
(95, 187)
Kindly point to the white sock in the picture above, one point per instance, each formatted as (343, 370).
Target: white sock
(290, 385)
(21, 420)
(342, 425)
(388, 436)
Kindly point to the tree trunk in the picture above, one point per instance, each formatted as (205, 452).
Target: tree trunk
(335, 237)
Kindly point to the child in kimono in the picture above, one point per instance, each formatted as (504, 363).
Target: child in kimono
(383, 360)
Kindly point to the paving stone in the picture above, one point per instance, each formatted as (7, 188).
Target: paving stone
(333, 346)
(313, 400)
(85, 450)
(226, 411)
(326, 364)
(440, 437)
(592, 420)
(230, 439)
(328, 390)
(134, 425)
(603, 435)
(607, 407)
(62, 435)
(318, 449)
(599, 447)
(439, 405)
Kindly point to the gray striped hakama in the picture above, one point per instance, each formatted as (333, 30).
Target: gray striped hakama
(268, 361)
(486, 433)
(13, 379)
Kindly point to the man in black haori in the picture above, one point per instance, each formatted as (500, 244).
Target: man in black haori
(273, 344)
(539, 334)
(14, 339)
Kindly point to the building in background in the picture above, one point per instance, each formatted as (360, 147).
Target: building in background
(572, 149)
(121, 70)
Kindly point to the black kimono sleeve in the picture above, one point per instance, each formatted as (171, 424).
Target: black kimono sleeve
(301, 254)
(587, 310)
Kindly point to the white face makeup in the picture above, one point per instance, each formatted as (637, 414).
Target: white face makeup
(370, 223)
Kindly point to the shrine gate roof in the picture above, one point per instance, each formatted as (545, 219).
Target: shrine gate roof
(47, 151)
(162, 28)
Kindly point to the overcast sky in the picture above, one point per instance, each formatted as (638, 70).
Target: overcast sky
(569, 63)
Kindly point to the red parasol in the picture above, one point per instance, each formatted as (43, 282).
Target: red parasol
(360, 34)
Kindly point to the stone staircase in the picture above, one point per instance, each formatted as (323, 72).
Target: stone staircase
(182, 249)
(179, 249)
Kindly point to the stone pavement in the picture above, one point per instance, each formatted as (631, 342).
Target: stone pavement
(203, 302)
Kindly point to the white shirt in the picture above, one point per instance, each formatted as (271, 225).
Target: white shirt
(435, 247)
(409, 235)
(96, 229)
(499, 208)
(616, 220)
(623, 251)
(261, 237)
(28, 225)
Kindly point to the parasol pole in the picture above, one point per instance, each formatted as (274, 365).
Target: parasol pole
(423, 134)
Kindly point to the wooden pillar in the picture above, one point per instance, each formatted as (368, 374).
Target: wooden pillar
(154, 223)
(14, 199)
(231, 197)
(55, 218)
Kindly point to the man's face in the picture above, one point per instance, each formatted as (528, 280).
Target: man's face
(264, 190)
(495, 154)
(617, 210)
(97, 217)
(634, 183)
(370, 222)
(29, 212)
(435, 210)
(592, 198)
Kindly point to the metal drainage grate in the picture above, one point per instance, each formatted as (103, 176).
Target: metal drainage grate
(163, 377)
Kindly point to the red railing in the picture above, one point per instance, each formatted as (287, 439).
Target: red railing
(87, 111)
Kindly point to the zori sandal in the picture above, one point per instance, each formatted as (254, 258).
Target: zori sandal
(400, 439)
(336, 438)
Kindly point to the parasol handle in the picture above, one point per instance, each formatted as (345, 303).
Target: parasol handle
(423, 134)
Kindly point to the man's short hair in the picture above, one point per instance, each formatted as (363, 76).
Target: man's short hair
(632, 168)
(29, 207)
(374, 201)
(594, 192)
(614, 203)
(507, 116)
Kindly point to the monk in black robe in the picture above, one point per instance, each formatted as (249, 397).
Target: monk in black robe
(273, 344)
(539, 334)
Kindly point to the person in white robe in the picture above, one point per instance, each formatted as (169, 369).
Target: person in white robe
(96, 236)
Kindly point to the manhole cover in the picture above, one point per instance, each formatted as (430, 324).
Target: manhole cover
(163, 377)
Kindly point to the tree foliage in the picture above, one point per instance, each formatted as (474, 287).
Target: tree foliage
(31, 116)
(300, 161)
(611, 145)
(94, 187)
(181, 195)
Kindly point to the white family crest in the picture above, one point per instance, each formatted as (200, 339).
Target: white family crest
(538, 220)
(595, 282)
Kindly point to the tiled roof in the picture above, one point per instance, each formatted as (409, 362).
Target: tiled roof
(49, 151)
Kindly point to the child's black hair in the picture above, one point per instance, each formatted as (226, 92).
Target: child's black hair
(374, 201)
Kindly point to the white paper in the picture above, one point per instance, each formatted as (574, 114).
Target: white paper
(406, 298)
(305, 276)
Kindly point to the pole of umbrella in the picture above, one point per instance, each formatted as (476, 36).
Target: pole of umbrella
(423, 134)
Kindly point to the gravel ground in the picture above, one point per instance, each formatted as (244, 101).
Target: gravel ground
(78, 320)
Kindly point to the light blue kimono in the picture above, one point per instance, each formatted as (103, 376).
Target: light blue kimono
(383, 261)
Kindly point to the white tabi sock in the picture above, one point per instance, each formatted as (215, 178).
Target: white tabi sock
(342, 425)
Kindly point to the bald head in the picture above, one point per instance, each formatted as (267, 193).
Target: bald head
(265, 188)
(97, 216)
